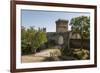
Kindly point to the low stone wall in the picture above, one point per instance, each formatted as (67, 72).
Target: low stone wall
(78, 43)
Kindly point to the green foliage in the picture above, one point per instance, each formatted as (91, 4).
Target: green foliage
(39, 39)
(31, 39)
(81, 25)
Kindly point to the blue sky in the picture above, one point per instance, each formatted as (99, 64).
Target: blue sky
(46, 19)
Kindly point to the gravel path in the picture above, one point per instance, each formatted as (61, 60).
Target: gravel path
(40, 56)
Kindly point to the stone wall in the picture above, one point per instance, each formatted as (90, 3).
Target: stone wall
(68, 41)
(54, 37)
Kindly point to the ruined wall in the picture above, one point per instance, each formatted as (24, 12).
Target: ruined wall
(54, 37)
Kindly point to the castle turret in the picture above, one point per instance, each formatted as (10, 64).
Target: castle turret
(61, 25)
(44, 29)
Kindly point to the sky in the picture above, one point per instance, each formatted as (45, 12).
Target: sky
(46, 19)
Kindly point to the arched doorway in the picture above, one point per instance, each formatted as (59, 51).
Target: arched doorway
(60, 40)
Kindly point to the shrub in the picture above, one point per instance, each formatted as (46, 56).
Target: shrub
(81, 54)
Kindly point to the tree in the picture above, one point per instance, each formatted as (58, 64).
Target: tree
(39, 39)
(81, 25)
(31, 39)
(26, 38)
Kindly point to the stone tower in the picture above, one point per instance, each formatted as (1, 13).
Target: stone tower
(61, 25)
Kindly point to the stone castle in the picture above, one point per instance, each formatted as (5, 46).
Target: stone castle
(61, 38)
(62, 27)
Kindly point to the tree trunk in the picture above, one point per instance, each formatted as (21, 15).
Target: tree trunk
(35, 51)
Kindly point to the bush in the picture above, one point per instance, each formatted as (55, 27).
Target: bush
(81, 54)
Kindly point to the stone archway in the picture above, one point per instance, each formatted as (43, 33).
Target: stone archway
(60, 40)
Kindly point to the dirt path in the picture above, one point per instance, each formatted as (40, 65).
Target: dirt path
(31, 58)
(40, 56)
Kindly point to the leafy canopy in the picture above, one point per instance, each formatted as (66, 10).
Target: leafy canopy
(81, 25)
(32, 38)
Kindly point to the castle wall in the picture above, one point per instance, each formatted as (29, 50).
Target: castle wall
(54, 36)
